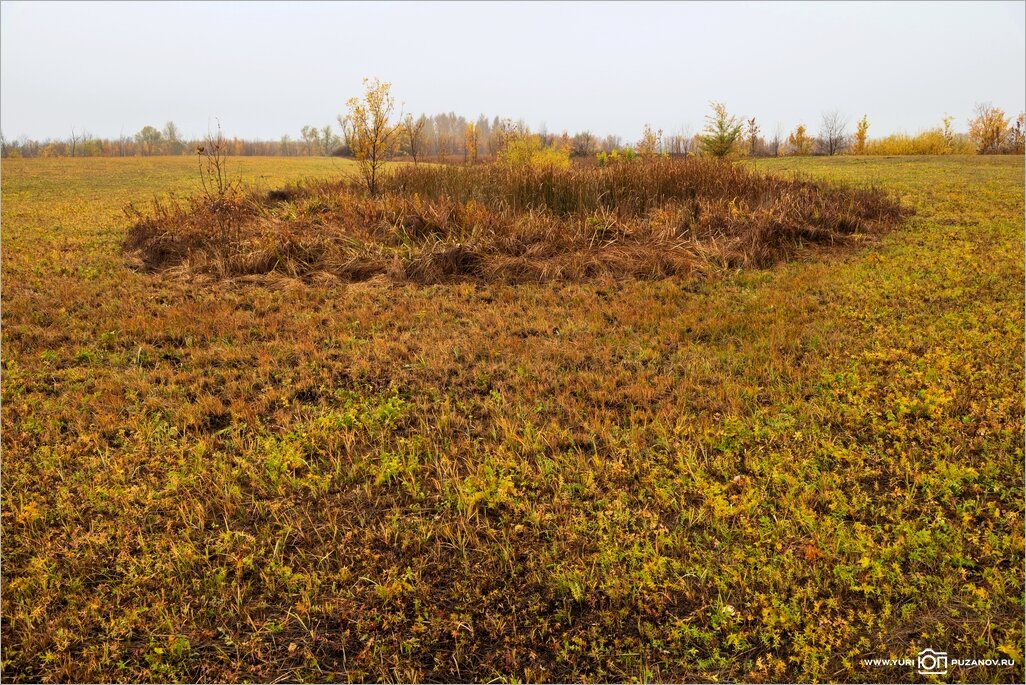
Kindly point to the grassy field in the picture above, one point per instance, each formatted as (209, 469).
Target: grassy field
(767, 475)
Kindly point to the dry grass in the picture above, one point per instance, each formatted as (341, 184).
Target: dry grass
(647, 219)
(767, 475)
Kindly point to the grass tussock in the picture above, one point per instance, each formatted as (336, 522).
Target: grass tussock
(432, 224)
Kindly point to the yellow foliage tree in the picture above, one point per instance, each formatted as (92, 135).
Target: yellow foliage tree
(988, 129)
(861, 136)
(472, 138)
(650, 142)
(369, 131)
(950, 139)
(799, 140)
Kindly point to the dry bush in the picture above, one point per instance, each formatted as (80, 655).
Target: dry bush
(646, 219)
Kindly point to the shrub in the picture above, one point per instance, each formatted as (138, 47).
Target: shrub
(935, 141)
(527, 151)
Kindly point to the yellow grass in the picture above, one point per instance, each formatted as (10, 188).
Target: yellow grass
(770, 475)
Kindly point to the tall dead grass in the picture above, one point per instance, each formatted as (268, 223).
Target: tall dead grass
(646, 219)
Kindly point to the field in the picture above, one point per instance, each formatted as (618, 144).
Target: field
(763, 474)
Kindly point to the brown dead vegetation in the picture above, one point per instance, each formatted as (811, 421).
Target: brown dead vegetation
(644, 219)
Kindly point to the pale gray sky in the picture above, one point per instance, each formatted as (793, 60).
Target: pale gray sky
(266, 69)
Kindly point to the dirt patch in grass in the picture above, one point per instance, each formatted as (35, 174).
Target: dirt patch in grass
(646, 219)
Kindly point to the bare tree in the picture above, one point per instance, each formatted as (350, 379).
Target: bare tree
(611, 142)
(173, 139)
(775, 142)
(213, 166)
(312, 138)
(583, 144)
(687, 140)
(329, 140)
(674, 144)
(74, 141)
(833, 137)
(1017, 135)
(413, 134)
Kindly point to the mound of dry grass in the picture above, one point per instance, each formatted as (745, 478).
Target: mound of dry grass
(647, 219)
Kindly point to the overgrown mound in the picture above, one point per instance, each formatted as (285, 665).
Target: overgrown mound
(645, 219)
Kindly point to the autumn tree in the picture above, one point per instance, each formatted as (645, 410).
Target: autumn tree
(833, 137)
(329, 140)
(285, 145)
(312, 138)
(173, 139)
(148, 139)
(681, 142)
(988, 129)
(752, 134)
(687, 140)
(651, 142)
(776, 141)
(413, 134)
(610, 143)
(583, 144)
(471, 138)
(799, 141)
(444, 141)
(75, 137)
(369, 131)
(484, 132)
(74, 140)
(1017, 135)
(861, 136)
(722, 131)
(504, 132)
(90, 145)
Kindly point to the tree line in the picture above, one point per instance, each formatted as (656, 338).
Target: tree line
(990, 131)
(450, 137)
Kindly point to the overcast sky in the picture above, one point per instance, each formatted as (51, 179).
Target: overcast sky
(265, 69)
